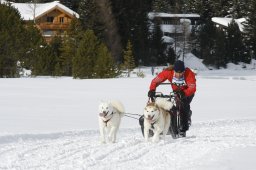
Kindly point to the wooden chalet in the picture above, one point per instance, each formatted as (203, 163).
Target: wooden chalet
(51, 18)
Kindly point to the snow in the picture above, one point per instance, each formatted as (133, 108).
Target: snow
(26, 9)
(226, 21)
(151, 15)
(168, 40)
(193, 62)
(51, 123)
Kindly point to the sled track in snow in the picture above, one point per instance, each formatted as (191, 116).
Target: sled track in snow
(81, 149)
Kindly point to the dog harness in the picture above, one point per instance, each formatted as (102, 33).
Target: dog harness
(106, 121)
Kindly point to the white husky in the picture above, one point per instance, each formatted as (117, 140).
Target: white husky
(157, 118)
(110, 114)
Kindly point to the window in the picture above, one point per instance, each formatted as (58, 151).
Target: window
(50, 19)
(48, 33)
(62, 20)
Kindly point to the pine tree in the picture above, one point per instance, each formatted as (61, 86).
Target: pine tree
(129, 63)
(157, 45)
(67, 53)
(85, 57)
(235, 45)
(250, 29)
(97, 16)
(11, 40)
(132, 22)
(111, 35)
(161, 6)
(219, 50)
(55, 45)
(207, 37)
(171, 56)
(34, 41)
(90, 18)
(105, 66)
(44, 63)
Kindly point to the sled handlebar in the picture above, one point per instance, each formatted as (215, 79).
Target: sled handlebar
(160, 94)
(176, 84)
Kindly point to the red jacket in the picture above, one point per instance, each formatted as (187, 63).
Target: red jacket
(189, 76)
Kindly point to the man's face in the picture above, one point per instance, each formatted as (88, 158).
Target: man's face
(178, 75)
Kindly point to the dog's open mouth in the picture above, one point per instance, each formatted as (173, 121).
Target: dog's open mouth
(104, 114)
(150, 118)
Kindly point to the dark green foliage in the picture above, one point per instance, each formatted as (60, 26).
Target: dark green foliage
(250, 29)
(161, 6)
(84, 60)
(157, 46)
(105, 66)
(45, 62)
(67, 53)
(235, 46)
(114, 22)
(8, 40)
(129, 63)
(207, 37)
(219, 52)
(92, 59)
(97, 16)
(34, 41)
(171, 56)
(12, 38)
(132, 23)
(90, 17)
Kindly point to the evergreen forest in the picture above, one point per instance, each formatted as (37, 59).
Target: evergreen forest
(113, 36)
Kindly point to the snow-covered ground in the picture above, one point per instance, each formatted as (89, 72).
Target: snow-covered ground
(51, 123)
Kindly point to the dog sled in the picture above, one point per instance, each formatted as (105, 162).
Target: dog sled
(175, 114)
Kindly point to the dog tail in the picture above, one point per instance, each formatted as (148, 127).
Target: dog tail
(118, 105)
(164, 103)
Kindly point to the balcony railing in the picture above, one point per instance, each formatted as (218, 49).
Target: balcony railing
(55, 26)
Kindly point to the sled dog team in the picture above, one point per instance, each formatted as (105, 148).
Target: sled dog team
(156, 117)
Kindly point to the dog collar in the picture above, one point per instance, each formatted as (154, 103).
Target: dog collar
(106, 121)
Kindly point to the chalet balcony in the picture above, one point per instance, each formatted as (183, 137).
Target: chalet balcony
(53, 26)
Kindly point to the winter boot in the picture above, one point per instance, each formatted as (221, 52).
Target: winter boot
(189, 118)
(182, 134)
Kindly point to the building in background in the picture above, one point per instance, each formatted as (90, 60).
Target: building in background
(176, 30)
(51, 18)
(175, 25)
(223, 22)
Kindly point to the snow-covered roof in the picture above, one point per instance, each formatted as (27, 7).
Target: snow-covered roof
(3, 2)
(152, 15)
(167, 39)
(26, 9)
(226, 21)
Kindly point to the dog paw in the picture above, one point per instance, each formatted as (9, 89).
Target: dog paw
(102, 142)
(155, 140)
(146, 139)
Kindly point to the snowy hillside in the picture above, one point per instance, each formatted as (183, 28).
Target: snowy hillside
(51, 124)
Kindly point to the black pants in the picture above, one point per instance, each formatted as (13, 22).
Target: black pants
(185, 109)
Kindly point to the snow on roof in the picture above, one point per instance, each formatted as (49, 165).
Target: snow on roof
(26, 9)
(226, 21)
(152, 15)
(3, 2)
(172, 28)
(193, 62)
(167, 39)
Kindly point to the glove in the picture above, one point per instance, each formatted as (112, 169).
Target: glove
(151, 93)
(181, 94)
